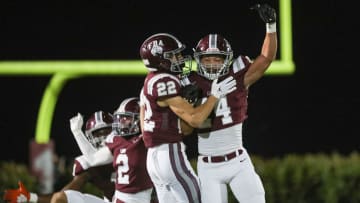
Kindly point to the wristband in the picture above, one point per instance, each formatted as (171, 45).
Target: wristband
(33, 197)
(270, 27)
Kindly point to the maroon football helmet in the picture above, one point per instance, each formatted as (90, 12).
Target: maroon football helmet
(213, 44)
(98, 126)
(162, 51)
(127, 117)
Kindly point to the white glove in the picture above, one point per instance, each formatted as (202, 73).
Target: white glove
(223, 88)
(76, 123)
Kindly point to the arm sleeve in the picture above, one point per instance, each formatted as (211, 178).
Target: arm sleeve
(101, 157)
(85, 146)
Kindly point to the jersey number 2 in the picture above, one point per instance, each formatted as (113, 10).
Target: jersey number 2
(122, 162)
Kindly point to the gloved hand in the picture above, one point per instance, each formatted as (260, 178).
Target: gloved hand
(224, 87)
(17, 195)
(76, 123)
(267, 13)
(191, 93)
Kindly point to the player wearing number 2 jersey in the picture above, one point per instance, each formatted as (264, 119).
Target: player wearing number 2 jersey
(223, 160)
(126, 150)
(161, 114)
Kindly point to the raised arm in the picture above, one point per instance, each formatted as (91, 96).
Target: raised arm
(269, 47)
(76, 124)
(101, 157)
(92, 155)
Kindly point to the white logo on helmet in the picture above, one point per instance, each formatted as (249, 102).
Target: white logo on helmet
(156, 47)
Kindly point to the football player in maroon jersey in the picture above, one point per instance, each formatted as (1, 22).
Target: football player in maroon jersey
(223, 161)
(162, 110)
(126, 150)
(98, 126)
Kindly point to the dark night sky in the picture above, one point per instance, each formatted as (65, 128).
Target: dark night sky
(314, 110)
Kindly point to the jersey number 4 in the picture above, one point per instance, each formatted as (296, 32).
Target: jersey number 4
(221, 110)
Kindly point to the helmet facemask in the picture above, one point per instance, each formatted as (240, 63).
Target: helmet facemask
(213, 71)
(126, 124)
(97, 136)
(179, 63)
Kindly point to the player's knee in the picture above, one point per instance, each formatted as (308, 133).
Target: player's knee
(59, 197)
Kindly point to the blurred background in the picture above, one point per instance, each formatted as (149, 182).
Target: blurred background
(314, 110)
(302, 129)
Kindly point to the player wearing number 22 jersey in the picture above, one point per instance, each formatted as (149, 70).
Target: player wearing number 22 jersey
(169, 166)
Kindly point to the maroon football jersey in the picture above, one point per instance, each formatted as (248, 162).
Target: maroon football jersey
(232, 109)
(129, 163)
(100, 176)
(161, 124)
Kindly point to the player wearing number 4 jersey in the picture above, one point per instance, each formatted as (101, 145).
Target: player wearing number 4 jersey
(126, 150)
(223, 159)
(161, 113)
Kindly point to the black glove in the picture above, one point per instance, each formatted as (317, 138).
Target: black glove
(192, 94)
(267, 13)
